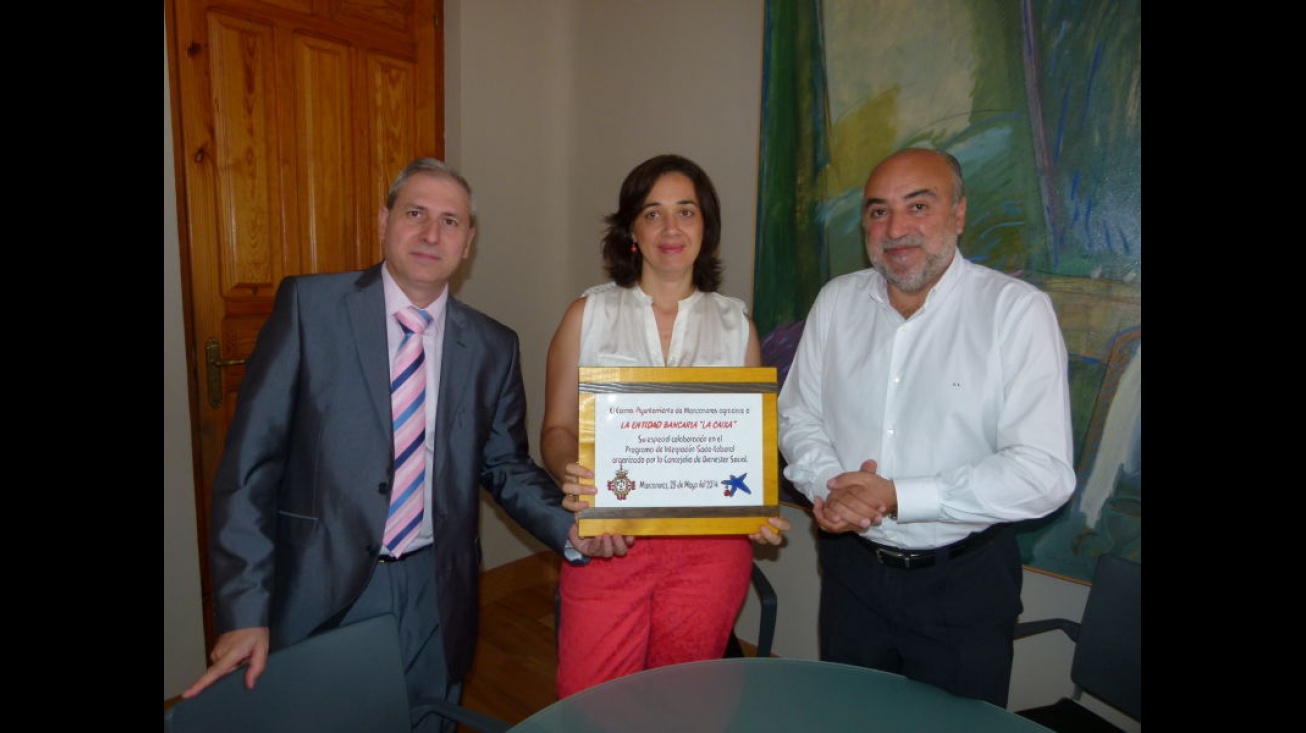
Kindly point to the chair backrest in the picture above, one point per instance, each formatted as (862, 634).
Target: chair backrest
(1108, 658)
(349, 679)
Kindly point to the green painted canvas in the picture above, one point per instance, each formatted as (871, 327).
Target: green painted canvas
(1040, 100)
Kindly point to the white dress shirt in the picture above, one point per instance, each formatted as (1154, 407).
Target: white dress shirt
(965, 405)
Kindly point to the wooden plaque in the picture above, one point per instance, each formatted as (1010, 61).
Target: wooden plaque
(679, 450)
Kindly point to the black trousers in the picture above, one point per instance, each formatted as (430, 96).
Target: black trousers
(950, 625)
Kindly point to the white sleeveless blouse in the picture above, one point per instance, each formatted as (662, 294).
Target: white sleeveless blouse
(619, 330)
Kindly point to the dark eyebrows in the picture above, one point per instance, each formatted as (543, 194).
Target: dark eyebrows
(928, 193)
(437, 214)
(656, 204)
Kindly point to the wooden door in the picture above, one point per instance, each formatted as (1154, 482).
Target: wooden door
(291, 117)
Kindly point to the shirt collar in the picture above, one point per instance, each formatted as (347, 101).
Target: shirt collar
(648, 299)
(395, 300)
(945, 285)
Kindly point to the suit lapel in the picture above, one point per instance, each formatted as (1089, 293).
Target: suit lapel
(455, 369)
(366, 308)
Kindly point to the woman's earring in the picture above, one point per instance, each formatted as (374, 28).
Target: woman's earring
(634, 248)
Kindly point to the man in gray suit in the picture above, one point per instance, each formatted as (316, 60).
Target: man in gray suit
(301, 496)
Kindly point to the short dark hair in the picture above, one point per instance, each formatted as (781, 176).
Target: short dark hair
(434, 167)
(624, 266)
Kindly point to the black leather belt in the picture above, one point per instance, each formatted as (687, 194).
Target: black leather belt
(383, 559)
(904, 559)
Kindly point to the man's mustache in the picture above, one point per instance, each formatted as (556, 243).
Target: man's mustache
(902, 242)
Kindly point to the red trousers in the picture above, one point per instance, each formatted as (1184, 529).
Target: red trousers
(669, 600)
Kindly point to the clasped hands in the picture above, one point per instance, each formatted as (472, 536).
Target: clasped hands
(608, 545)
(857, 501)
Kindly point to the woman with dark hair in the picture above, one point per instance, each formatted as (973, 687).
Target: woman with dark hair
(669, 599)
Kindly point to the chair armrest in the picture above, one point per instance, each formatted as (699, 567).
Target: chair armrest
(766, 594)
(1030, 628)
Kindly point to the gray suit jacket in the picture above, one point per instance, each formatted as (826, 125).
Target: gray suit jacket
(301, 493)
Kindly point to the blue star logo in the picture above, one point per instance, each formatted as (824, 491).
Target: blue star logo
(736, 483)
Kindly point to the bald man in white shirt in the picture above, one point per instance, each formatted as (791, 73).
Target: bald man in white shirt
(926, 410)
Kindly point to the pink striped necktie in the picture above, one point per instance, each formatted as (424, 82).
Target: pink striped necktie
(408, 410)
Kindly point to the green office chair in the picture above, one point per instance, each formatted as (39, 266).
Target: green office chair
(1108, 658)
(346, 680)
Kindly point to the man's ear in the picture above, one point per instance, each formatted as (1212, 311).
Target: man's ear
(961, 215)
(471, 239)
(382, 216)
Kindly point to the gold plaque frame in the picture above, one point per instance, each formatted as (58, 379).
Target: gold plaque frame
(697, 520)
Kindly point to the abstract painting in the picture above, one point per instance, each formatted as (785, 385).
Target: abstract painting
(1040, 100)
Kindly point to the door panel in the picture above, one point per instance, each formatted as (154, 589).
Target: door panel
(292, 117)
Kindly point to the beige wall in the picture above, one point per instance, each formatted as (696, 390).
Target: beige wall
(183, 628)
(548, 105)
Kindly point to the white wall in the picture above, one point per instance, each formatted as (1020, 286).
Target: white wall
(548, 106)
